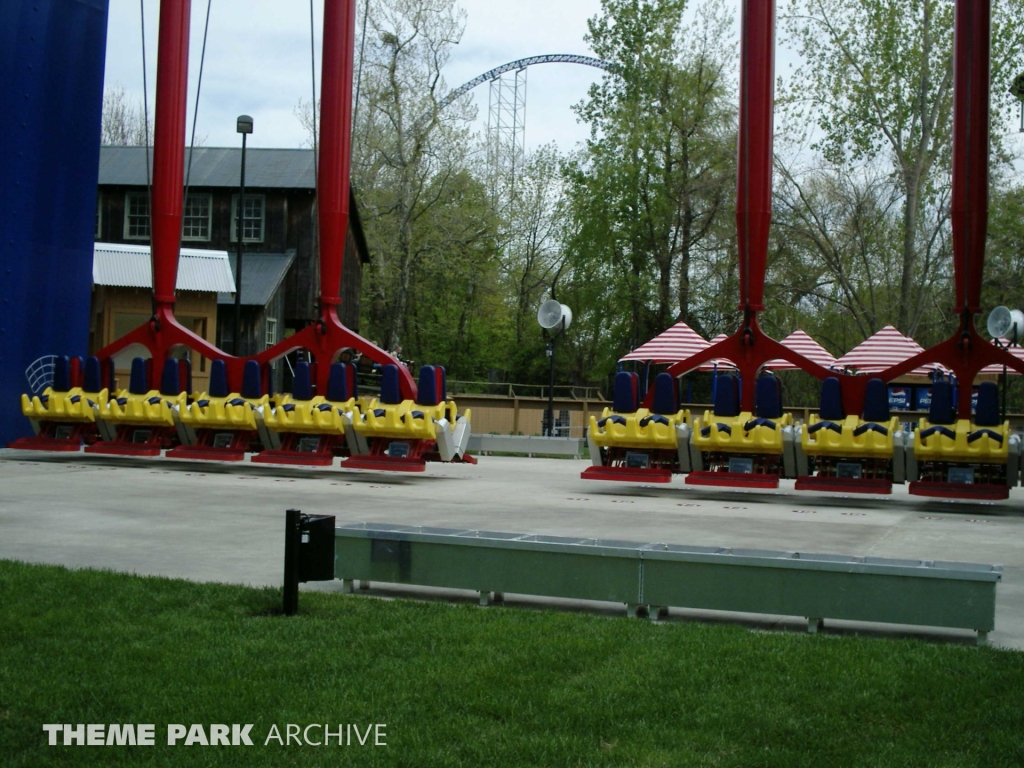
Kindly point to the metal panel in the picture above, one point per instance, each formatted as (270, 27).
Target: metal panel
(490, 562)
(52, 56)
(747, 580)
(216, 167)
(262, 275)
(130, 266)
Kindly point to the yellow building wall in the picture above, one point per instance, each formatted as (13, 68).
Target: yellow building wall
(116, 311)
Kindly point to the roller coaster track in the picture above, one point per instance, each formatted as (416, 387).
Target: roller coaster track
(550, 58)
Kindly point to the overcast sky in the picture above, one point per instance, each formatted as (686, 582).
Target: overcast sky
(258, 62)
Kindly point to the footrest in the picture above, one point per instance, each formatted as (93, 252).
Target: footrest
(384, 463)
(118, 448)
(984, 491)
(206, 453)
(627, 474)
(40, 443)
(732, 479)
(135, 440)
(843, 484)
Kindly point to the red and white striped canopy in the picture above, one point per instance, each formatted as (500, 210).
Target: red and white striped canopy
(1017, 352)
(720, 362)
(677, 343)
(884, 350)
(802, 344)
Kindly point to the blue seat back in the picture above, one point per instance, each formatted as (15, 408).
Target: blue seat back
(987, 412)
(170, 382)
(302, 384)
(219, 379)
(426, 393)
(92, 378)
(390, 391)
(61, 374)
(831, 406)
(137, 384)
(666, 395)
(252, 386)
(941, 409)
(768, 402)
(625, 394)
(341, 384)
(727, 396)
(876, 402)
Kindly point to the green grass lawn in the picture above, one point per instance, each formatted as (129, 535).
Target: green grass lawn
(464, 686)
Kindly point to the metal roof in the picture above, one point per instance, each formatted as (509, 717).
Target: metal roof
(262, 274)
(216, 167)
(130, 266)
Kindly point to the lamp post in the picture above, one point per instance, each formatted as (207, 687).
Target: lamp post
(554, 318)
(244, 127)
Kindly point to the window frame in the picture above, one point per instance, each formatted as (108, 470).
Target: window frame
(262, 219)
(209, 217)
(128, 215)
(270, 332)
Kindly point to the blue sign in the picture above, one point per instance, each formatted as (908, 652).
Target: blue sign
(899, 398)
(922, 398)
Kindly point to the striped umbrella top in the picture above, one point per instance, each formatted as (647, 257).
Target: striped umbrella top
(677, 343)
(1017, 352)
(884, 350)
(802, 344)
(721, 362)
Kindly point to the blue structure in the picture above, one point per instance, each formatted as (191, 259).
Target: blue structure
(51, 96)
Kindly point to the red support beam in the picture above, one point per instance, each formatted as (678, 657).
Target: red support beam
(969, 214)
(169, 146)
(335, 145)
(754, 162)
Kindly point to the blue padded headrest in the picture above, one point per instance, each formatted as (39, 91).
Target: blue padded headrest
(941, 410)
(61, 374)
(137, 382)
(219, 379)
(252, 386)
(624, 400)
(768, 404)
(987, 412)
(302, 384)
(876, 402)
(426, 393)
(665, 395)
(831, 406)
(170, 383)
(337, 383)
(390, 392)
(727, 401)
(92, 378)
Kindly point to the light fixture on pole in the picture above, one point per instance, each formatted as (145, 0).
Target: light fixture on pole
(554, 318)
(244, 127)
(1004, 323)
(1017, 90)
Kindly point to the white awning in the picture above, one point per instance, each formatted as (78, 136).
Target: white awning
(130, 266)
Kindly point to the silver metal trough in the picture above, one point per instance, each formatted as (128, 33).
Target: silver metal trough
(651, 577)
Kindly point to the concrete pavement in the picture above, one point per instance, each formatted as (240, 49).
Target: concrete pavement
(223, 522)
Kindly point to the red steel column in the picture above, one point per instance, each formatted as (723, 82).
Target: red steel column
(756, 131)
(335, 144)
(169, 146)
(969, 210)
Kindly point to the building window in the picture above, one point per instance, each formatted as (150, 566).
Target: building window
(252, 219)
(271, 336)
(195, 219)
(99, 216)
(136, 216)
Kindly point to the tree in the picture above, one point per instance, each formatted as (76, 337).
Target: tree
(656, 174)
(876, 89)
(124, 122)
(423, 206)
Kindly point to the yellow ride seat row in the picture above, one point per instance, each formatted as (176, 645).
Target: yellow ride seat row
(942, 437)
(726, 429)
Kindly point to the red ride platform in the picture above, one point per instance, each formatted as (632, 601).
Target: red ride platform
(979, 491)
(732, 479)
(627, 474)
(843, 485)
